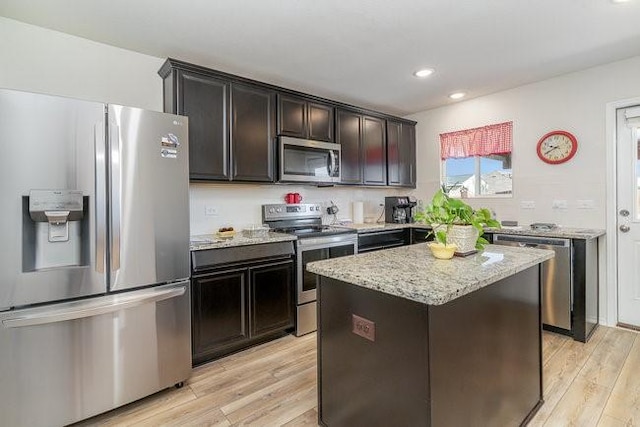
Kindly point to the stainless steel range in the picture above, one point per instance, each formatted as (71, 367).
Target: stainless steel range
(315, 242)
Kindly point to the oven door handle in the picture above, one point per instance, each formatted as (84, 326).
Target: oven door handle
(309, 244)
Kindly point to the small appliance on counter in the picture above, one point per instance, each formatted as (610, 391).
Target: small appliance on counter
(399, 209)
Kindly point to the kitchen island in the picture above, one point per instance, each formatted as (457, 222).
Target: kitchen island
(405, 339)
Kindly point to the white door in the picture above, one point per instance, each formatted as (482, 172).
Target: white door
(628, 214)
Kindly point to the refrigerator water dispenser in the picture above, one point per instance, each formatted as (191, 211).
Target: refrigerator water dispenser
(56, 216)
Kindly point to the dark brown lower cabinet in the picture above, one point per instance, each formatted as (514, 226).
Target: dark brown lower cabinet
(271, 297)
(421, 235)
(219, 315)
(235, 308)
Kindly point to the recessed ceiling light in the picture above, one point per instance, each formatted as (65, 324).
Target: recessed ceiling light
(620, 1)
(457, 95)
(425, 72)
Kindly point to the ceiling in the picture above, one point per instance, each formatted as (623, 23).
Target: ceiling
(361, 52)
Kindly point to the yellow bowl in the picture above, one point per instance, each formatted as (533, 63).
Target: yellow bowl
(441, 251)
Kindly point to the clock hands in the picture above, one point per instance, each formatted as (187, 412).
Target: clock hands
(550, 150)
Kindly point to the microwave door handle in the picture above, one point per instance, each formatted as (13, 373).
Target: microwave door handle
(332, 165)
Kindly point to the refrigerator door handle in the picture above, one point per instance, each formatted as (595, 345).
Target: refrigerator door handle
(116, 193)
(91, 309)
(101, 194)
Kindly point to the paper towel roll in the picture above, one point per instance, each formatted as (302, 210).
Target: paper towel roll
(358, 213)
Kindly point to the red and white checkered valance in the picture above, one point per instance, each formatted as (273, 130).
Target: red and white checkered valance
(482, 141)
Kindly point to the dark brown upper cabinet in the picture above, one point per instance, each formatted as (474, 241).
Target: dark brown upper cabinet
(234, 123)
(231, 126)
(349, 136)
(374, 147)
(302, 118)
(205, 101)
(252, 133)
(401, 154)
(363, 147)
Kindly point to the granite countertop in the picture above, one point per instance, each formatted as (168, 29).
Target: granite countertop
(413, 273)
(558, 232)
(212, 241)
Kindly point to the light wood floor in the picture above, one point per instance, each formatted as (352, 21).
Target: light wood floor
(593, 384)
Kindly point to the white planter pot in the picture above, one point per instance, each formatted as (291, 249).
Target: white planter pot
(463, 236)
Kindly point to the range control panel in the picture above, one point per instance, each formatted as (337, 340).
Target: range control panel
(291, 211)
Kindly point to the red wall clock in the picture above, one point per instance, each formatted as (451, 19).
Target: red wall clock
(557, 147)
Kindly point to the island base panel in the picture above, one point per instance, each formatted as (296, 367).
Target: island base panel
(485, 354)
(476, 360)
(371, 383)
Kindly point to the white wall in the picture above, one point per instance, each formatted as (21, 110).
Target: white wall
(238, 205)
(39, 60)
(574, 102)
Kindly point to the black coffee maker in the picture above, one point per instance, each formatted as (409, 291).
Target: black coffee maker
(399, 209)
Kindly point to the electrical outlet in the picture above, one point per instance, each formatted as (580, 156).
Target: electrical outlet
(585, 204)
(559, 204)
(210, 211)
(528, 204)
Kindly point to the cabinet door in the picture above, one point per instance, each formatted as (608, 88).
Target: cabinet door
(393, 153)
(421, 235)
(252, 133)
(374, 151)
(219, 312)
(271, 297)
(349, 131)
(292, 116)
(408, 155)
(204, 100)
(320, 122)
(401, 154)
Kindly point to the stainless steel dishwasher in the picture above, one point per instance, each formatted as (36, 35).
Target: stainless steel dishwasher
(556, 276)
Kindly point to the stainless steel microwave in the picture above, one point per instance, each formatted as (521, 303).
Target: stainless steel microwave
(302, 160)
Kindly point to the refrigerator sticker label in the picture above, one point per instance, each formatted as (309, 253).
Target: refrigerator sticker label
(170, 141)
(169, 153)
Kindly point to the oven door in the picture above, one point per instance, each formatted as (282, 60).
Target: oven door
(302, 160)
(316, 249)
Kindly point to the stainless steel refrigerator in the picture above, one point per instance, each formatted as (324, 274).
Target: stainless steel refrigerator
(94, 259)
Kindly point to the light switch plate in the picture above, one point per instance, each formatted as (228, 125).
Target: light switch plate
(528, 204)
(210, 211)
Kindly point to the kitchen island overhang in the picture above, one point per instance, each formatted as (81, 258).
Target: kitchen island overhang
(405, 339)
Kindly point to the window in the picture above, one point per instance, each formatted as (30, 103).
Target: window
(477, 162)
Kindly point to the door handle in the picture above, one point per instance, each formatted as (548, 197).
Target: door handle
(625, 228)
(91, 309)
(332, 166)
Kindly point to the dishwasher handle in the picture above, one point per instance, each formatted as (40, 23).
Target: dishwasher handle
(529, 241)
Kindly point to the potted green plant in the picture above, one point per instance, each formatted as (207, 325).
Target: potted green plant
(456, 223)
